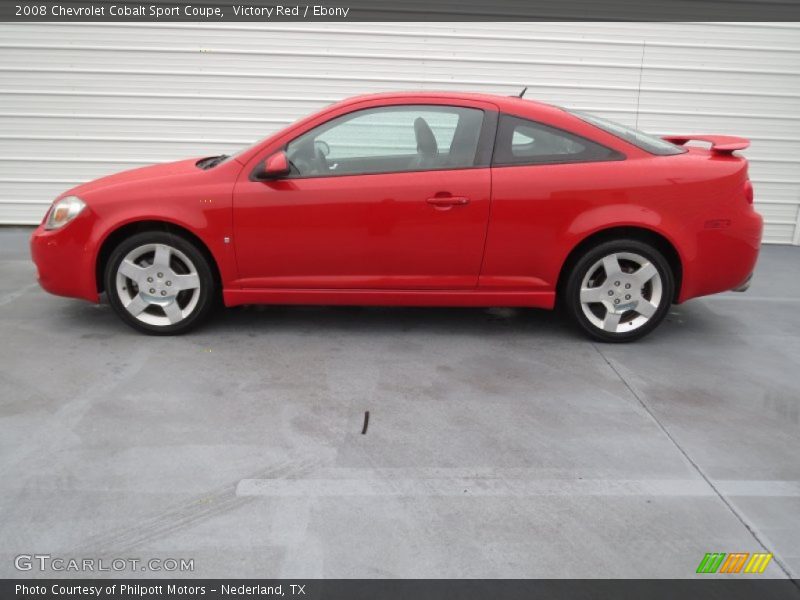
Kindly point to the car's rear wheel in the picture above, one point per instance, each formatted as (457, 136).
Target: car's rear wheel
(160, 283)
(619, 291)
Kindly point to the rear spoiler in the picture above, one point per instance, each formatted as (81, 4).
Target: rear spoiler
(720, 144)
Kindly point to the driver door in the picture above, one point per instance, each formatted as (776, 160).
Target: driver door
(393, 197)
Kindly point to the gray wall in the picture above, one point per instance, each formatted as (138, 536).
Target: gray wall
(81, 100)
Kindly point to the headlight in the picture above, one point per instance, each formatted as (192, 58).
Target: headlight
(63, 211)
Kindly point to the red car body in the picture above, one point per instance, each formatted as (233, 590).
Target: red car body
(403, 238)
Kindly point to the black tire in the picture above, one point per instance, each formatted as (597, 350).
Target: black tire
(627, 330)
(198, 309)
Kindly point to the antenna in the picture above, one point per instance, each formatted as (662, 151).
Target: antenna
(522, 93)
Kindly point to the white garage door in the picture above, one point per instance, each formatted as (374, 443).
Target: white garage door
(81, 100)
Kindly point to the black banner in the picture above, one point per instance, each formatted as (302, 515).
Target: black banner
(397, 589)
(392, 10)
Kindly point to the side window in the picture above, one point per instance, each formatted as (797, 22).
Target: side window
(387, 140)
(524, 142)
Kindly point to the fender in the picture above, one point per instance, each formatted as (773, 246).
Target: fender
(208, 233)
(177, 193)
(600, 218)
(592, 222)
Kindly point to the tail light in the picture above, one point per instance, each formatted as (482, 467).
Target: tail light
(748, 191)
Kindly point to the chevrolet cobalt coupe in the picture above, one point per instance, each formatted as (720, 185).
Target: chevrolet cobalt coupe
(417, 199)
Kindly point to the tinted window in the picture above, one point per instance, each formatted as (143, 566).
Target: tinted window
(645, 141)
(523, 142)
(390, 139)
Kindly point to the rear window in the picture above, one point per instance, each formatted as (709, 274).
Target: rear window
(523, 142)
(645, 141)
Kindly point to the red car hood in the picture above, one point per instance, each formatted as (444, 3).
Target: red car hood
(151, 173)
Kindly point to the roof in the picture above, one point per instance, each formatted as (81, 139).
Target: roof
(505, 103)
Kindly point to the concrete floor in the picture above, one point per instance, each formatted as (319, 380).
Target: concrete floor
(500, 443)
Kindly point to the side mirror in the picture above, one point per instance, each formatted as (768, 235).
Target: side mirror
(275, 167)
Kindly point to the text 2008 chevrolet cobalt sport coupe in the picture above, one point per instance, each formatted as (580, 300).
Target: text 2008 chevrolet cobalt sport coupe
(424, 199)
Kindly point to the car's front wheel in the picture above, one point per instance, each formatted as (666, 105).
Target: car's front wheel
(620, 290)
(159, 283)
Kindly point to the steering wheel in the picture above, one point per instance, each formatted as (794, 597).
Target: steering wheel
(320, 152)
(301, 165)
(310, 160)
(321, 165)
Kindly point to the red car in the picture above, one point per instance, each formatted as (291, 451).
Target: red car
(417, 199)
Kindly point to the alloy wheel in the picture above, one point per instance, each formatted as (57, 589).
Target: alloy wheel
(621, 292)
(158, 284)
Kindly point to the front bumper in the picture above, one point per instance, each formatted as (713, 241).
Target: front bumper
(65, 259)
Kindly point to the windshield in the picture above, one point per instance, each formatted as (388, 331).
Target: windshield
(645, 141)
(244, 149)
